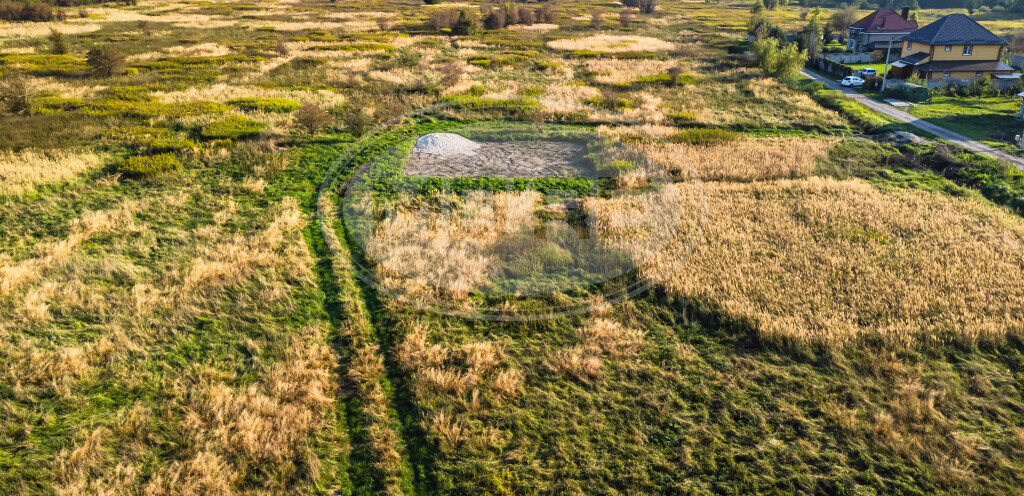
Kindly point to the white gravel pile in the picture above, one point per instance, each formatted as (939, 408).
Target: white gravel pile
(446, 144)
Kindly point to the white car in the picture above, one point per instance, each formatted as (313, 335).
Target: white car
(852, 81)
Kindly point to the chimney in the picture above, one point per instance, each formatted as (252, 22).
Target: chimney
(905, 12)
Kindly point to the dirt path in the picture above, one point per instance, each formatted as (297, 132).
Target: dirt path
(895, 113)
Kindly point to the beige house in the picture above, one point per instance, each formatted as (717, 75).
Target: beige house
(953, 49)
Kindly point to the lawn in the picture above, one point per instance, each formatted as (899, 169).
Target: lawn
(990, 119)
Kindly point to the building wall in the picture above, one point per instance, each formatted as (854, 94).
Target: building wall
(980, 52)
(961, 75)
(938, 52)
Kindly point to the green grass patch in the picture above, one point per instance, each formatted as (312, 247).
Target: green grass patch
(232, 128)
(276, 105)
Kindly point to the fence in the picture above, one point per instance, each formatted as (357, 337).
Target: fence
(850, 58)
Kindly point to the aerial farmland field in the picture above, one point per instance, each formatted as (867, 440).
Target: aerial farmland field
(388, 247)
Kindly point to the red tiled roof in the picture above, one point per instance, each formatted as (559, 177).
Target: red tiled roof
(884, 20)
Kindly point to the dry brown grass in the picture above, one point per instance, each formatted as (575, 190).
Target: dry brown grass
(612, 43)
(609, 71)
(20, 171)
(820, 260)
(749, 159)
(36, 29)
(58, 253)
(446, 254)
(229, 432)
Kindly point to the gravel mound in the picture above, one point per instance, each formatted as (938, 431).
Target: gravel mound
(446, 144)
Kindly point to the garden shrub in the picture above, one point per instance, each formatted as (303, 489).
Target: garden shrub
(704, 136)
(232, 128)
(279, 105)
(141, 165)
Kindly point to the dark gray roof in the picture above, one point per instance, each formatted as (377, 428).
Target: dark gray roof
(914, 58)
(954, 29)
(956, 65)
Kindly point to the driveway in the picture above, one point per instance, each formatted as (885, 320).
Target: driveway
(895, 113)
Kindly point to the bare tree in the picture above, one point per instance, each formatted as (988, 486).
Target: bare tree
(383, 23)
(595, 20)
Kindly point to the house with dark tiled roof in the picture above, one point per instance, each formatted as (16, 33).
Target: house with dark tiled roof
(877, 29)
(954, 49)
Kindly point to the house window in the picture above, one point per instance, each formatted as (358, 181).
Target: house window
(949, 48)
(910, 44)
(968, 49)
(945, 74)
(977, 74)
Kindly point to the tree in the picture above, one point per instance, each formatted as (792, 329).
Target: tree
(312, 118)
(784, 63)
(595, 20)
(812, 33)
(771, 4)
(789, 62)
(972, 5)
(59, 44)
(105, 61)
(757, 8)
(842, 19)
(464, 25)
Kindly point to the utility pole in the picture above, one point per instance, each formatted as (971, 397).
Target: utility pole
(885, 73)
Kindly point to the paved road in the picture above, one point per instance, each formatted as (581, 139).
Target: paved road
(895, 113)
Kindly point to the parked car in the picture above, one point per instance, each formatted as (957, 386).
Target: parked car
(868, 72)
(852, 81)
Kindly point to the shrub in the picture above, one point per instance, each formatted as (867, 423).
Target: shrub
(141, 166)
(681, 118)
(626, 17)
(232, 128)
(451, 73)
(543, 65)
(704, 136)
(407, 57)
(278, 105)
(312, 118)
(51, 104)
(442, 19)
(59, 44)
(464, 25)
(15, 94)
(355, 120)
(170, 144)
(105, 61)
(495, 19)
(26, 11)
(616, 167)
